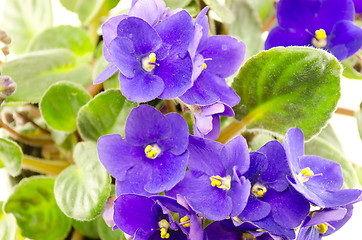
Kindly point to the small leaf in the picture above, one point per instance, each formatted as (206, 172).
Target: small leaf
(10, 156)
(23, 20)
(36, 71)
(326, 145)
(287, 87)
(222, 11)
(36, 212)
(247, 26)
(81, 191)
(61, 103)
(73, 38)
(87, 228)
(106, 233)
(350, 67)
(8, 227)
(173, 4)
(105, 114)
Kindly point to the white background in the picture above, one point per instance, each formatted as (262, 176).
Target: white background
(345, 127)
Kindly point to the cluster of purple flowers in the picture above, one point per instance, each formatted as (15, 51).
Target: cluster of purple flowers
(265, 194)
(164, 54)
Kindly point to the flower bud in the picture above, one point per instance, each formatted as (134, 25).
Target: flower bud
(7, 86)
(4, 37)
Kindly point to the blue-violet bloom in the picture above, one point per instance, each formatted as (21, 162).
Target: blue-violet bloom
(318, 179)
(213, 186)
(153, 155)
(358, 6)
(326, 24)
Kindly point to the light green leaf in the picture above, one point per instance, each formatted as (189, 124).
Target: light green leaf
(352, 68)
(106, 233)
(105, 114)
(87, 228)
(287, 87)
(61, 103)
(247, 26)
(82, 190)
(73, 38)
(23, 20)
(36, 71)
(222, 11)
(36, 212)
(8, 227)
(10, 156)
(173, 4)
(326, 145)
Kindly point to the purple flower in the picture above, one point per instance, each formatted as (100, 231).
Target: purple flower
(145, 218)
(326, 24)
(273, 205)
(214, 59)
(324, 222)
(207, 120)
(153, 61)
(358, 6)
(226, 230)
(213, 187)
(318, 179)
(153, 155)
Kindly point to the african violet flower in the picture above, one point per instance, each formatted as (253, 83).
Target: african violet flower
(213, 187)
(153, 155)
(326, 24)
(227, 230)
(145, 218)
(324, 222)
(214, 59)
(273, 205)
(358, 6)
(153, 61)
(318, 179)
(207, 120)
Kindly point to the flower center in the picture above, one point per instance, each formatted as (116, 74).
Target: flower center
(204, 66)
(152, 151)
(323, 227)
(149, 63)
(164, 226)
(320, 38)
(258, 190)
(248, 236)
(185, 221)
(223, 183)
(306, 174)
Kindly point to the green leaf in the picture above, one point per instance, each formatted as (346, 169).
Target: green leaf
(73, 38)
(82, 190)
(23, 20)
(87, 228)
(326, 145)
(106, 233)
(61, 103)
(246, 27)
(8, 227)
(10, 156)
(287, 87)
(358, 170)
(36, 212)
(359, 120)
(36, 71)
(105, 114)
(265, 8)
(222, 11)
(352, 68)
(173, 4)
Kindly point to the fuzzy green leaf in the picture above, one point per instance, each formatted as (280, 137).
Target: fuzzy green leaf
(10, 156)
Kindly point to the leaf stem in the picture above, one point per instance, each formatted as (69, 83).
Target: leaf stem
(27, 119)
(76, 235)
(345, 111)
(94, 89)
(269, 23)
(44, 166)
(170, 106)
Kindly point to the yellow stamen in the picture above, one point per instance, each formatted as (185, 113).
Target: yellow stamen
(320, 34)
(258, 190)
(305, 174)
(152, 151)
(320, 38)
(149, 63)
(237, 219)
(222, 183)
(185, 219)
(323, 227)
(164, 226)
(204, 66)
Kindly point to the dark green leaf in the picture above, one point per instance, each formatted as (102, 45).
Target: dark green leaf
(105, 114)
(61, 103)
(326, 145)
(287, 87)
(73, 38)
(87, 228)
(222, 11)
(10, 156)
(81, 191)
(23, 20)
(247, 26)
(37, 214)
(8, 227)
(36, 71)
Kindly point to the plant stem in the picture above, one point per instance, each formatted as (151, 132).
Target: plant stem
(26, 118)
(94, 89)
(170, 106)
(269, 23)
(44, 166)
(76, 235)
(345, 111)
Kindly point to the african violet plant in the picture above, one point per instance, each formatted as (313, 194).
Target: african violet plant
(170, 121)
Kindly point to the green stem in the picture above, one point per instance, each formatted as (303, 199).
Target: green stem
(44, 166)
